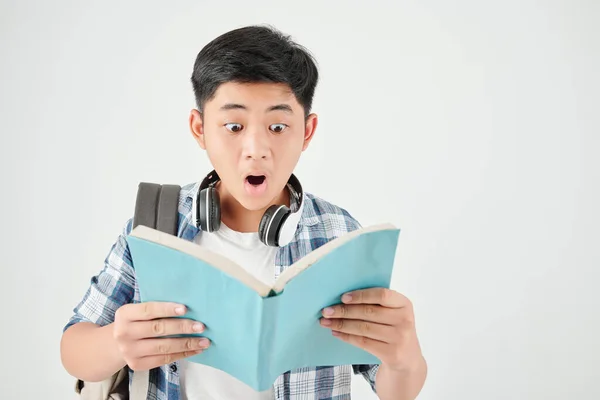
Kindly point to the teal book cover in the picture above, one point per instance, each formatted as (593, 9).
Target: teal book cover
(258, 332)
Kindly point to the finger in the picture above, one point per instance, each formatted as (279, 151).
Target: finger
(375, 347)
(382, 333)
(147, 363)
(151, 310)
(164, 327)
(166, 346)
(366, 312)
(382, 296)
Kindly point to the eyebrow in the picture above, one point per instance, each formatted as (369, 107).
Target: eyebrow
(278, 107)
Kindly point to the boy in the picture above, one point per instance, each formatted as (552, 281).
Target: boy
(253, 89)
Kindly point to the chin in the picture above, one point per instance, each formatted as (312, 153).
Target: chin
(254, 203)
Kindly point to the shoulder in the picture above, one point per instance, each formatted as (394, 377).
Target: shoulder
(330, 219)
(186, 196)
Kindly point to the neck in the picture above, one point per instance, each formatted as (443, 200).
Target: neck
(239, 218)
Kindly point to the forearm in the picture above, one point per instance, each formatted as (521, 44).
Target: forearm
(400, 385)
(89, 352)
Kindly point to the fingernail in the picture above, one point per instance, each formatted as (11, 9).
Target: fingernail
(347, 297)
(179, 310)
(326, 322)
(328, 311)
(204, 343)
(198, 327)
(335, 333)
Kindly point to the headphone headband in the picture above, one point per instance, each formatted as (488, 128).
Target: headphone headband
(210, 180)
(297, 194)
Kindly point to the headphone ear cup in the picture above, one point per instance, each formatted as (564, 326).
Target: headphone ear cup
(209, 210)
(264, 221)
(270, 224)
(215, 209)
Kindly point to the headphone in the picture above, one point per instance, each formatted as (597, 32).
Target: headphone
(277, 225)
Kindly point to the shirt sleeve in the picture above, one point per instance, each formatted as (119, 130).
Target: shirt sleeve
(111, 288)
(368, 371)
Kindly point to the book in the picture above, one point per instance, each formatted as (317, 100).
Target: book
(258, 331)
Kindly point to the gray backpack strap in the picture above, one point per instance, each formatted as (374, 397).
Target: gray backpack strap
(156, 207)
(145, 204)
(167, 216)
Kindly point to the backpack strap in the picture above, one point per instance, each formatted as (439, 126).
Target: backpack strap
(156, 207)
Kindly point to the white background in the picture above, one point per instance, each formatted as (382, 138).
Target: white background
(472, 125)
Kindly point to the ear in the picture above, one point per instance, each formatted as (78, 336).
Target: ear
(197, 127)
(309, 129)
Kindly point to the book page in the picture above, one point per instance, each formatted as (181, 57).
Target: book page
(216, 260)
(312, 257)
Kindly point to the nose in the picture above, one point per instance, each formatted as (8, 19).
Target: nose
(256, 144)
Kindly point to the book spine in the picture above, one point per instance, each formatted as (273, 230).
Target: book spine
(267, 354)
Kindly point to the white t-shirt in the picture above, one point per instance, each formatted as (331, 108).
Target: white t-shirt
(203, 382)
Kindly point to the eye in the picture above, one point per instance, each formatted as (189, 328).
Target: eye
(235, 128)
(278, 128)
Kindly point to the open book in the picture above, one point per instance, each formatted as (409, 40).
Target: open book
(258, 331)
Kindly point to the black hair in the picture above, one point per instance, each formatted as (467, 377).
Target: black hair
(255, 54)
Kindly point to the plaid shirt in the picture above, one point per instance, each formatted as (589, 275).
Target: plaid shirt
(115, 286)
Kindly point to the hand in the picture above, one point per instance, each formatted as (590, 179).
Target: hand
(138, 329)
(380, 321)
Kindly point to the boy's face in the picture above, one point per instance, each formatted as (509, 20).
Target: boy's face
(253, 135)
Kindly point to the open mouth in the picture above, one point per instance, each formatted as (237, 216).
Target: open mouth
(255, 180)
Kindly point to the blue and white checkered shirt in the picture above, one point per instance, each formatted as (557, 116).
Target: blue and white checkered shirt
(115, 285)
